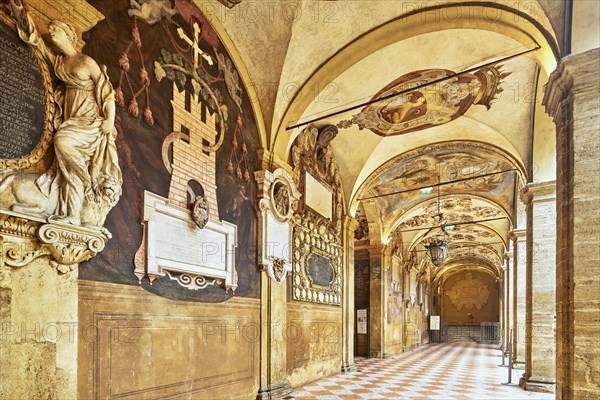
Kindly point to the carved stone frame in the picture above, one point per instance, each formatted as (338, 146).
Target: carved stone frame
(273, 223)
(201, 273)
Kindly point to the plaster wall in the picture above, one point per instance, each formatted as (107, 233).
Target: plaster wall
(314, 341)
(480, 299)
(136, 345)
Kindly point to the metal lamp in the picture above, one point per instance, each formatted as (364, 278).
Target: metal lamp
(438, 252)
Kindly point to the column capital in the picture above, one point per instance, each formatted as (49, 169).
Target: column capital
(271, 161)
(560, 88)
(376, 248)
(351, 223)
(538, 192)
(518, 234)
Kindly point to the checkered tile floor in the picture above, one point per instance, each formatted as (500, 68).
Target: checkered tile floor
(436, 371)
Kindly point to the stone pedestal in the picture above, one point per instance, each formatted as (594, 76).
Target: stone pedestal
(350, 224)
(519, 297)
(571, 98)
(540, 353)
(38, 328)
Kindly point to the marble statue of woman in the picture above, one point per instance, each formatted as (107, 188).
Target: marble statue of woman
(85, 167)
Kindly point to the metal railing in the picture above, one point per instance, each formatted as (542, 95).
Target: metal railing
(489, 332)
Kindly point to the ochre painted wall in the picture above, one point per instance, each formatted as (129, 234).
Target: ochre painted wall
(136, 345)
(313, 340)
(470, 292)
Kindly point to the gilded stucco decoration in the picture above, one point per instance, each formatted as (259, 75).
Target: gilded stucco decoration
(469, 293)
(313, 236)
(441, 96)
(316, 246)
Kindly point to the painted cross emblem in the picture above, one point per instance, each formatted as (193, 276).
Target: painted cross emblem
(194, 43)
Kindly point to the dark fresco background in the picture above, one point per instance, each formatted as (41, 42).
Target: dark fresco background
(139, 147)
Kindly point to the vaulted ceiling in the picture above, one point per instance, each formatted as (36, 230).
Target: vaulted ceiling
(460, 112)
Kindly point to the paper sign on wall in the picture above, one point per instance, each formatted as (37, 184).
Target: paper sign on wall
(361, 322)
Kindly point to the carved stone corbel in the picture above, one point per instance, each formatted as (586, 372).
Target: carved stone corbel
(277, 198)
(25, 238)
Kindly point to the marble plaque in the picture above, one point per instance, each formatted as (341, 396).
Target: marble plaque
(277, 239)
(22, 96)
(318, 197)
(175, 243)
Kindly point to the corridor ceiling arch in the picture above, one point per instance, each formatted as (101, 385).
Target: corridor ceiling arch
(521, 28)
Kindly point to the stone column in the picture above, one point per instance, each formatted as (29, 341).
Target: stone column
(503, 315)
(350, 225)
(519, 289)
(376, 301)
(571, 98)
(508, 282)
(540, 347)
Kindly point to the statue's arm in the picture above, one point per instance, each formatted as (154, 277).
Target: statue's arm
(105, 94)
(28, 31)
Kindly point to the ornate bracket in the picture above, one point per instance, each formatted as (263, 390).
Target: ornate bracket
(25, 238)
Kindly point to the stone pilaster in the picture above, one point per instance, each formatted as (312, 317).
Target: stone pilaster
(273, 315)
(519, 296)
(541, 286)
(376, 301)
(350, 225)
(571, 99)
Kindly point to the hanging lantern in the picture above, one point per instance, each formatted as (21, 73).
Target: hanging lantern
(438, 252)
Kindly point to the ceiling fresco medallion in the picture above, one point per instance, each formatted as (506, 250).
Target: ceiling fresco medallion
(440, 97)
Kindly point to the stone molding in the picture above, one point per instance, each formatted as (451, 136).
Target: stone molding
(540, 192)
(274, 391)
(559, 90)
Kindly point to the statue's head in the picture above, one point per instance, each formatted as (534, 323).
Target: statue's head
(62, 34)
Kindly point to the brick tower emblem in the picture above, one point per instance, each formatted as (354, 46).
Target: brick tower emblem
(194, 140)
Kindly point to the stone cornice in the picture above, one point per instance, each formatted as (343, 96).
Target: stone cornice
(560, 88)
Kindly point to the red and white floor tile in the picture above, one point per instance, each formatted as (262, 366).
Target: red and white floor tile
(436, 371)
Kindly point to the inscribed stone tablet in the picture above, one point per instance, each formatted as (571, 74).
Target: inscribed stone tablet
(22, 96)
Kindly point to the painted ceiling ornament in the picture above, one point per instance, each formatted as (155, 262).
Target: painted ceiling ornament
(430, 104)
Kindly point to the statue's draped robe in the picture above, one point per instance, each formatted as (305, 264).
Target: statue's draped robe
(83, 154)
